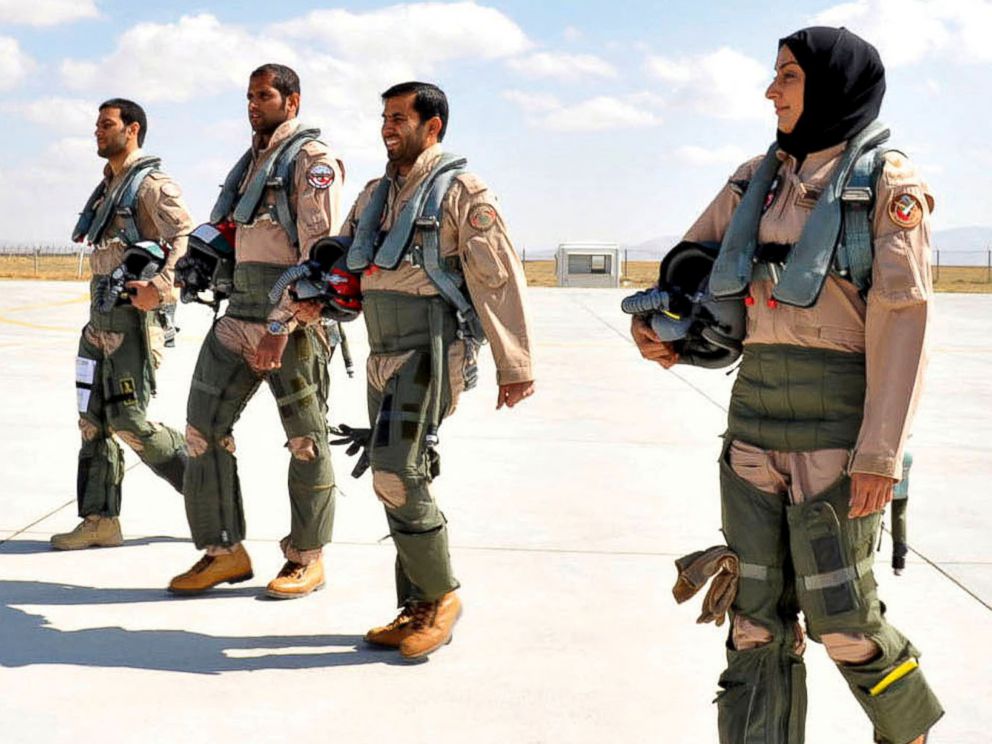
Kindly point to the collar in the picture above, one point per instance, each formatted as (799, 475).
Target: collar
(130, 160)
(814, 161)
(421, 167)
(283, 131)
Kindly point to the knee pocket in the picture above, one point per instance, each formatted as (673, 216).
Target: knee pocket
(833, 559)
(197, 443)
(302, 448)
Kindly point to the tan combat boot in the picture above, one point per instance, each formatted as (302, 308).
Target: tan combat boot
(390, 636)
(93, 532)
(431, 626)
(297, 580)
(212, 570)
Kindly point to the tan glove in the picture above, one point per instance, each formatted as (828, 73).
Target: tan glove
(718, 563)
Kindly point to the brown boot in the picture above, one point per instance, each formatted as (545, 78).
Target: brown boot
(93, 532)
(297, 580)
(431, 626)
(390, 636)
(212, 570)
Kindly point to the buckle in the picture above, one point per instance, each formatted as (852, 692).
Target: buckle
(426, 223)
(856, 195)
(275, 182)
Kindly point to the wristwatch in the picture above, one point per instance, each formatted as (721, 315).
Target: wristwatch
(277, 328)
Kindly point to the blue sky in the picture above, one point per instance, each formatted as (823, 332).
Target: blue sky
(591, 120)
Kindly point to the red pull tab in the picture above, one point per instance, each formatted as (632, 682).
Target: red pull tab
(772, 303)
(749, 301)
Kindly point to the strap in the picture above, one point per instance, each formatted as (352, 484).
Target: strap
(300, 394)
(732, 269)
(812, 257)
(272, 175)
(229, 190)
(755, 571)
(838, 577)
(283, 212)
(362, 249)
(89, 212)
(855, 255)
(117, 201)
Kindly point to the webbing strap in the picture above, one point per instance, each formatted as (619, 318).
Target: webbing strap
(838, 577)
(121, 201)
(300, 394)
(755, 571)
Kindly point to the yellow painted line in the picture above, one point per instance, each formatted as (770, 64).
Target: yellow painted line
(85, 297)
(37, 326)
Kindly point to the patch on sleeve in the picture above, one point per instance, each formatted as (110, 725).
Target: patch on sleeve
(169, 188)
(905, 210)
(320, 175)
(482, 217)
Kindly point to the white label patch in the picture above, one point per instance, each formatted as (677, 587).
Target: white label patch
(85, 374)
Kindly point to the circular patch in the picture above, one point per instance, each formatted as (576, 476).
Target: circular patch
(170, 189)
(906, 211)
(482, 217)
(320, 175)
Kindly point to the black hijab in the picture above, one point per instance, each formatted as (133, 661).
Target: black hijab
(845, 83)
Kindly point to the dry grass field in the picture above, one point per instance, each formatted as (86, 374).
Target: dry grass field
(539, 273)
(644, 273)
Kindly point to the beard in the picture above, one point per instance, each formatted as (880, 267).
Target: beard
(114, 146)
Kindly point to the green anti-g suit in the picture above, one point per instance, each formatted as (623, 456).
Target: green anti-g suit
(120, 350)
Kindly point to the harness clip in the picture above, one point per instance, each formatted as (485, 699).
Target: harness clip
(856, 195)
(426, 223)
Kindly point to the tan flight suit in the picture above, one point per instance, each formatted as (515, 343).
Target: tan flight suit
(119, 351)
(225, 378)
(888, 327)
(397, 303)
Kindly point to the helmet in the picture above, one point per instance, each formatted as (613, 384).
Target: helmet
(142, 261)
(208, 265)
(326, 279)
(705, 331)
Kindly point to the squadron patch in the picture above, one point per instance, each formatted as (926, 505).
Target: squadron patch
(906, 211)
(320, 175)
(482, 217)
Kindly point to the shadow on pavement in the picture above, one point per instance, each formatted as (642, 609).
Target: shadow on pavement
(27, 640)
(12, 546)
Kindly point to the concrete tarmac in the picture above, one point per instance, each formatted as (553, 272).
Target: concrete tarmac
(565, 516)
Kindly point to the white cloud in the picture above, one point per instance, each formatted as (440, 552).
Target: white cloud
(724, 84)
(64, 115)
(730, 155)
(908, 31)
(598, 114)
(14, 63)
(46, 12)
(571, 33)
(193, 57)
(563, 66)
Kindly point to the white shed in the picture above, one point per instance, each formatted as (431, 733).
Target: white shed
(588, 265)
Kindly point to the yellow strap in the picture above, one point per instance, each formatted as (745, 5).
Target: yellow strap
(896, 674)
(670, 314)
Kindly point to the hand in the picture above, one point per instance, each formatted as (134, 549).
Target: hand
(651, 347)
(869, 494)
(307, 311)
(268, 355)
(510, 395)
(145, 295)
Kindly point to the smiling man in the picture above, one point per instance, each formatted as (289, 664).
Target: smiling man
(121, 345)
(440, 276)
(283, 195)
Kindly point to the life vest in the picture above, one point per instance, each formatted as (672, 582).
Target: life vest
(101, 207)
(836, 238)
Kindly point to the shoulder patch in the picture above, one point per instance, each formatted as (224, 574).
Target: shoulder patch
(171, 189)
(482, 216)
(905, 210)
(472, 183)
(320, 175)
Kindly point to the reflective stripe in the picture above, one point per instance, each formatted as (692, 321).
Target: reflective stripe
(753, 571)
(838, 577)
(896, 674)
(298, 395)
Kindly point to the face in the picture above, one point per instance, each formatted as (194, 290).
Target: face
(403, 133)
(267, 108)
(786, 90)
(111, 134)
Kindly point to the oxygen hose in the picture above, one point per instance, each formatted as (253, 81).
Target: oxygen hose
(289, 276)
(646, 302)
